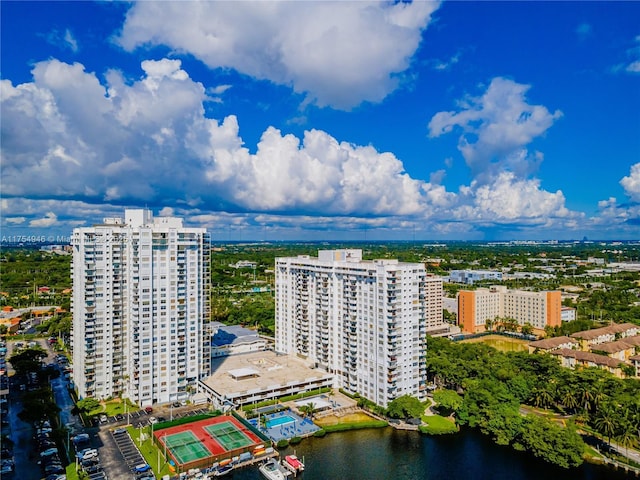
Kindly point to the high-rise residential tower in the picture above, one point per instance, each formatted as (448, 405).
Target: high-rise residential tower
(140, 297)
(364, 321)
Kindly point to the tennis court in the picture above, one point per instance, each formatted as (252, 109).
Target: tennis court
(186, 447)
(228, 435)
(203, 442)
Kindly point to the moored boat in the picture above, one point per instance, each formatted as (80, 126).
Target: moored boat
(271, 470)
(293, 463)
(222, 471)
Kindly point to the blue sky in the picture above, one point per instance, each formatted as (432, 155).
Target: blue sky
(324, 120)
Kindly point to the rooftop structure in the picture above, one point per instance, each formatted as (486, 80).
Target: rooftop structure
(234, 339)
(254, 377)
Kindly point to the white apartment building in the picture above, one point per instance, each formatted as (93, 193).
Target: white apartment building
(363, 321)
(140, 296)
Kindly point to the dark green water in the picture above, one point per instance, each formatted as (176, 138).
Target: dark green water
(388, 454)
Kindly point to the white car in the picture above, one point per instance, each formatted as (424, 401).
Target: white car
(87, 454)
(48, 452)
(153, 420)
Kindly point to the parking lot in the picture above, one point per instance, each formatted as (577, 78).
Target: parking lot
(141, 418)
(117, 445)
(127, 448)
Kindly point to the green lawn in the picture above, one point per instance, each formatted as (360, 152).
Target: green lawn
(438, 425)
(114, 407)
(149, 451)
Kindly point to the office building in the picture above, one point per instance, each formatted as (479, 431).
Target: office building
(140, 296)
(363, 321)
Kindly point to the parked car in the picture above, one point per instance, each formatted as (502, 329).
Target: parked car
(80, 438)
(50, 460)
(90, 454)
(56, 476)
(91, 469)
(49, 451)
(53, 469)
(89, 462)
(87, 453)
(143, 467)
(148, 410)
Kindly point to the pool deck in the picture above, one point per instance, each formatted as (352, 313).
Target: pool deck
(301, 427)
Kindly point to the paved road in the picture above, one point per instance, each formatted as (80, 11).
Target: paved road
(626, 452)
(24, 455)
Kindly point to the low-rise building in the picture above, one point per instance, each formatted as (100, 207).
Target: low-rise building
(573, 358)
(553, 343)
(258, 376)
(567, 314)
(611, 333)
(234, 339)
(622, 349)
(468, 277)
(635, 361)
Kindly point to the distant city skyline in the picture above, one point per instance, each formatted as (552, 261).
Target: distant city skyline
(337, 121)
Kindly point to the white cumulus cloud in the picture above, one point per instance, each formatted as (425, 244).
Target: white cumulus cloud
(93, 149)
(48, 220)
(496, 128)
(337, 53)
(150, 140)
(631, 183)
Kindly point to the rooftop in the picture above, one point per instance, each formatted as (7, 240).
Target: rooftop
(233, 335)
(618, 345)
(610, 330)
(552, 343)
(588, 357)
(268, 371)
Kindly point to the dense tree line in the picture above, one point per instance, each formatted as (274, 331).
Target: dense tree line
(495, 385)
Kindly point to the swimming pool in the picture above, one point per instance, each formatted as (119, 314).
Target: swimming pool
(278, 421)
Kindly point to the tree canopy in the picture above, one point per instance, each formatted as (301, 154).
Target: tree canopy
(405, 407)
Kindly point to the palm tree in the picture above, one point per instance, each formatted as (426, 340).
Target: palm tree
(542, 397)
(308, 409)
(587, 398)
(626, 436)
(568, 399)
(605, 423)
(488, 324)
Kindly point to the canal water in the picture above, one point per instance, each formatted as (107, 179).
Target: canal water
(388, 454)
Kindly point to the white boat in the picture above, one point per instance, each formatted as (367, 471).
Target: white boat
(221, 471)
(271, 470)
(293, 463)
